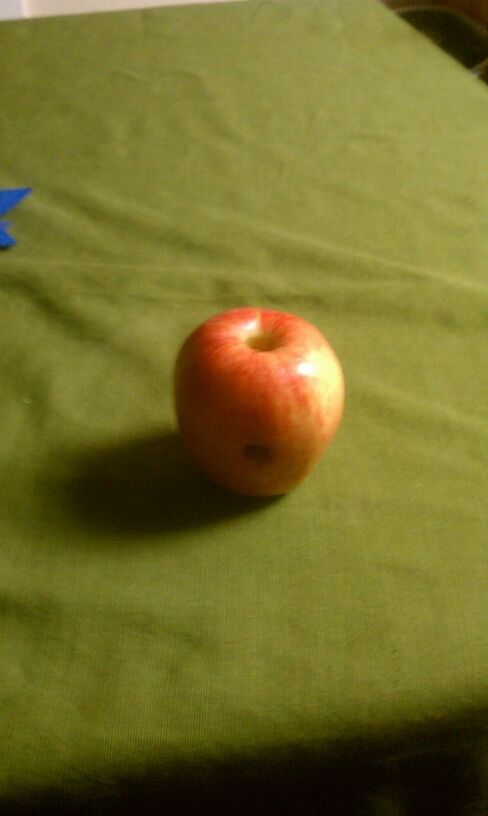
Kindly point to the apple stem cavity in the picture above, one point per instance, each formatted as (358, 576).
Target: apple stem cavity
(262, 341)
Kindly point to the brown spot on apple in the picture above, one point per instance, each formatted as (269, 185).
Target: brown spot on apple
(258, 454)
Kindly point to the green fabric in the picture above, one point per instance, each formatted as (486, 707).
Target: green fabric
(321, 158)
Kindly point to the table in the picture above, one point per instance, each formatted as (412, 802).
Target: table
(160, 640)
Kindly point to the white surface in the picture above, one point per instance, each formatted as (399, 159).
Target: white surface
(45, 8)
(11, 9)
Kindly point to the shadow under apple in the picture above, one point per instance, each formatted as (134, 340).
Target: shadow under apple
(148, 485)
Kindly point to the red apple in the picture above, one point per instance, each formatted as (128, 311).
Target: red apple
(259, 394)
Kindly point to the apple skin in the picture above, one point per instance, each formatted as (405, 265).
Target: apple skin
(259, 394)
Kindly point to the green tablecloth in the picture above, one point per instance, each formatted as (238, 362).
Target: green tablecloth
(321, 158)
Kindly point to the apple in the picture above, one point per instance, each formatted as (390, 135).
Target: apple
(259, 394)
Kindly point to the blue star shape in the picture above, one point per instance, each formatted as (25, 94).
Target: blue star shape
(8, 200)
